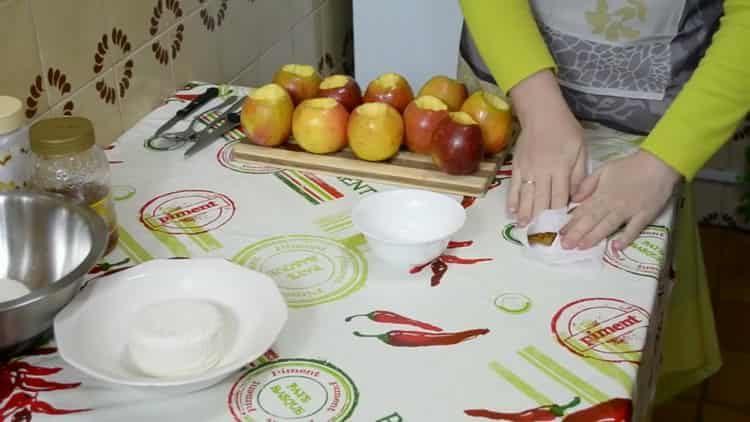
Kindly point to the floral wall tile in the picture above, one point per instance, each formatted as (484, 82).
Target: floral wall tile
(142, 20)
(197, 59)
(68, 32)
(20, 78)
(299, 9)
(249, 77)
(337, 36)
(274, 23)
(307, 40)
(279, 55)
(238, 37)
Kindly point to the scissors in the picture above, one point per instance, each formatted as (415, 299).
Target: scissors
(184, 112)
(173, 141)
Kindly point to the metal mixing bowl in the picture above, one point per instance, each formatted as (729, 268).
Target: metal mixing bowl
(49, 244)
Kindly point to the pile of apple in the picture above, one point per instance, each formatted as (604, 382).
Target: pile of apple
(325, 116)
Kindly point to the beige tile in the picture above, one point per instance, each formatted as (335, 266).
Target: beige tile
(141, 20)
(68, 32)
(248, 77)
(97, 102)
(336, 28)
(279, 55)
(17, 78)
(729, 386)
(307, 40)
(189, 6)
(150, 83)
(301, 8)
(198, 56)
(274, 22)
(723, 414)
(238, 38)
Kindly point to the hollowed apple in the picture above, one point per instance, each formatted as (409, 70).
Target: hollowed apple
(390, 88)
(450, 91)
(319, 125)
(343, 89)
(376, 131)
(266, 116)
(421, 118)
(301, 81)
(494, 117)
(457, 146)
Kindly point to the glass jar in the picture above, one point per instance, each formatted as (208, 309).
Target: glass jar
(66, 160)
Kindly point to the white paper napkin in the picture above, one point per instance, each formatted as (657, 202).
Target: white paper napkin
(551, 221)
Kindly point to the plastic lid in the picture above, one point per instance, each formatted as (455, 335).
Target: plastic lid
(11, 114)
(61, 136)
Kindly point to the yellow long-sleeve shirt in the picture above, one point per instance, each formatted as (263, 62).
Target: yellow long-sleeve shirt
(702, 117)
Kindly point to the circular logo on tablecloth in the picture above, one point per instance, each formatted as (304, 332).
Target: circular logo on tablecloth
(224, 157)
(309, 270)
(191, 211)
(644, 256)
(293, 389)
(602, 328)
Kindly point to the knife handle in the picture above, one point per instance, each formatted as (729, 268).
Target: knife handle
(199, 101)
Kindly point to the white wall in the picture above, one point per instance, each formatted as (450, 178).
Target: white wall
(417, 38)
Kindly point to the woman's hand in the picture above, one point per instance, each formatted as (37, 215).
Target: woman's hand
(549, 161)
(633, 189)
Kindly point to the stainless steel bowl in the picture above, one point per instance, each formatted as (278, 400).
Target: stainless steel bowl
(49, 244)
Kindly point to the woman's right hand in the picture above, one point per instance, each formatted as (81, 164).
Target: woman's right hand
(549, 161)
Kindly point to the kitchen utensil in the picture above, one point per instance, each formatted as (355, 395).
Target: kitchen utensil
(190, 133)
(91, 332)
(208, 95)
(408, 227)
(212, 133)
(48, 243)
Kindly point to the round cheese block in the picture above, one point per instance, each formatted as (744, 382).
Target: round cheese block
(12, 289)
(177, 338)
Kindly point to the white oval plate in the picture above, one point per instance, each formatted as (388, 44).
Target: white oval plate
(91, 332)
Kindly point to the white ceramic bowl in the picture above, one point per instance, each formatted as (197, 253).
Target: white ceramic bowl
(408, 227)
(91, 332)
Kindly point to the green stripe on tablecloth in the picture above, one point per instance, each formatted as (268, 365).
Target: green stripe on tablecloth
(609, 369)
(339, 227)
(284, 178)
(520, 384)
(621, 350)
(172, 243)
(204, 240)
(563, 376)
(131, 247)
(312, 185)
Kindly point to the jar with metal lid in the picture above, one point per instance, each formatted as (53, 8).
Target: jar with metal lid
(66, 160)
(14, 145)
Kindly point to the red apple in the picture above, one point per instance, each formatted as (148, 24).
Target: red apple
(390, 88)
(420, 120)
(343, 89)
(452, 92)
(319, 125)
(457, 146)
(494, 117)
(301, 81)
(376, 131)
(266, 116)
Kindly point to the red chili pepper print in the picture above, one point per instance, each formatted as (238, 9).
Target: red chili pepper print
(468, 201)
(21, 382)
(400, 338)
(537, 414)
(615, 410)
(387, 317)
(439, 265)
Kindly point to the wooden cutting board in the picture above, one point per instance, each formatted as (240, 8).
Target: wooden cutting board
(405, 169)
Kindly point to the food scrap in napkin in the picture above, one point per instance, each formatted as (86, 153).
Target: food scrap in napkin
(541, 241)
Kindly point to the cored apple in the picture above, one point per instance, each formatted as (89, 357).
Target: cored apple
(452, 92)
(390, 88)
(457, 146)
(266, 116)
(421, 118)
(300, 80)
(319, 125)
(343, 89)
(494, 117)
(376, 131)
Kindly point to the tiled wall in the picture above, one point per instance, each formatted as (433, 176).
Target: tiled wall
(113, 61)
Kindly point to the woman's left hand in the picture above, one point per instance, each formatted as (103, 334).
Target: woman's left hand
(633, 189)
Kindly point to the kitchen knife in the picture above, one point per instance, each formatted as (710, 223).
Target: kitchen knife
(198, 102)
(212, 133)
